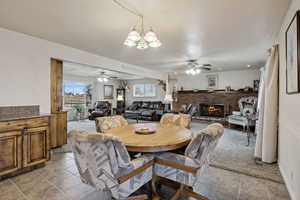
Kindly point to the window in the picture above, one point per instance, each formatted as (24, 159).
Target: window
(144, 90)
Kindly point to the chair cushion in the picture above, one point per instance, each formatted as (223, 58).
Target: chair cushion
(177, 175)
(134, 183)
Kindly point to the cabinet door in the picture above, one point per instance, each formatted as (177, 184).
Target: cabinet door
(10, 152)
(58, 129)
(35, 146)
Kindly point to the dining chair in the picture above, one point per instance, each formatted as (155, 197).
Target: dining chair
(183, 120)
(105, 123)
(186, 169)
(103, 162)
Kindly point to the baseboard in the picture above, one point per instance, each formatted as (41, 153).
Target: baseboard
(292, 195)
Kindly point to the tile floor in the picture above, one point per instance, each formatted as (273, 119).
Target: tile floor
(59, 180)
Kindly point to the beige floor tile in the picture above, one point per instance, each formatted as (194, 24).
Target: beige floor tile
(6, 186)
(16, 195)
(78, 191)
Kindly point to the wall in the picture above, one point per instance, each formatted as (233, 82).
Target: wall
(160, 93)
(289, 120)
(25, 68)
(236, 79)
(97, 87)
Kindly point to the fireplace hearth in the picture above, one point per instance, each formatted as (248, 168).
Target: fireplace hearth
(212, 110)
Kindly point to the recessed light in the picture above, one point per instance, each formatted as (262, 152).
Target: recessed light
(248, 65)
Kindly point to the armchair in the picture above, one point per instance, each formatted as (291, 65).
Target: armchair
(100, 109)
(247, 107)
(104, 163)
(186, 169)
(105, 123)
(183, 120)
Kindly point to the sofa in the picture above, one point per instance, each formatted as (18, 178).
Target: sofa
(146, 110)
(100, 109)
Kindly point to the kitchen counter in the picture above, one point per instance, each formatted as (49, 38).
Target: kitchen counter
(14, 118)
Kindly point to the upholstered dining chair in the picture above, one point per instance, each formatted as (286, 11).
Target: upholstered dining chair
(103, 162)
(105, 123)
(183, 120)
(186, 169)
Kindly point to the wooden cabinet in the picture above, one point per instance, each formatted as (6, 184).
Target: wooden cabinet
(58, 129)
(23, 144)
(59, 118)
(35, 146)
(10, 152)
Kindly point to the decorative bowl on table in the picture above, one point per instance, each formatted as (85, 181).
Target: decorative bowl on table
(145, 129)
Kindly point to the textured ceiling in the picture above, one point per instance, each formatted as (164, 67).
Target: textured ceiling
(229, 34)
(80, 70)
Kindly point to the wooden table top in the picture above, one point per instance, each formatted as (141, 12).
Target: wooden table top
(166, 137)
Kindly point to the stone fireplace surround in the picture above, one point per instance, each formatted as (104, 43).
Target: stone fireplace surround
(228, 99)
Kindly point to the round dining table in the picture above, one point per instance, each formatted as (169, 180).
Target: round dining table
(165, 137)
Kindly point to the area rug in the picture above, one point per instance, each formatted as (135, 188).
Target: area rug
(231, 153)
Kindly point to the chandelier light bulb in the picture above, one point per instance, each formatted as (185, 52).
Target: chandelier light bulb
(142, 44)
(105, 79)
(134, 35)
(100, 79)
(150, 36)
(129, 43)
(155, 44)
(187, 72)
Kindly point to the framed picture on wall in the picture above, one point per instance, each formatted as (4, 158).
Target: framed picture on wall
(108, 91)
(212, 81)
(292, 37)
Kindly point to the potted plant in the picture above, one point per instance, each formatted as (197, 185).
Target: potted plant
(79, 111)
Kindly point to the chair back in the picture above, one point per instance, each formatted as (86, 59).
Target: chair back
(106, 123)
(248, 105)
(203, 143)
(183, 120)
(99, 159)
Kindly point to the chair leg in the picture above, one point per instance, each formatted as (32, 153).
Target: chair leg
(154, 192)
(178, 193)
(181, 190)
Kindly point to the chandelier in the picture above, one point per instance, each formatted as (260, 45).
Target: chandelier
(142, 40)
(137, 36)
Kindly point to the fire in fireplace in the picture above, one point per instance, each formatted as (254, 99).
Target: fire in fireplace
(212, 110)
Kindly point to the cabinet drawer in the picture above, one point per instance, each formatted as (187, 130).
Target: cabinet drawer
(21, 124)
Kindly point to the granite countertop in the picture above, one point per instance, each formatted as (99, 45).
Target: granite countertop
(13, 118)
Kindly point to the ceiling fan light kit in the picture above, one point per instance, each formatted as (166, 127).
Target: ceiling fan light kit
(194, 68)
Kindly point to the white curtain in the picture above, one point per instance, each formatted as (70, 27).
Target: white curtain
(266, 141)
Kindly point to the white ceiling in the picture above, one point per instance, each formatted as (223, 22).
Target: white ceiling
(79, 70)
(229, 34)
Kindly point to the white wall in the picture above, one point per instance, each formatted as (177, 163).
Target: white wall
(25, 68)
(160, 93)
(97, 87)
(236, 79)
(289, 119)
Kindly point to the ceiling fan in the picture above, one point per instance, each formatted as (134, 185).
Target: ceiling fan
(103, 77)
(195, 68)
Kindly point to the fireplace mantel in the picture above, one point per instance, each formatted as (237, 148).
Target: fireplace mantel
(229, 99)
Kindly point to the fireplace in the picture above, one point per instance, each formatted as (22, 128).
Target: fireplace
(212, 110)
